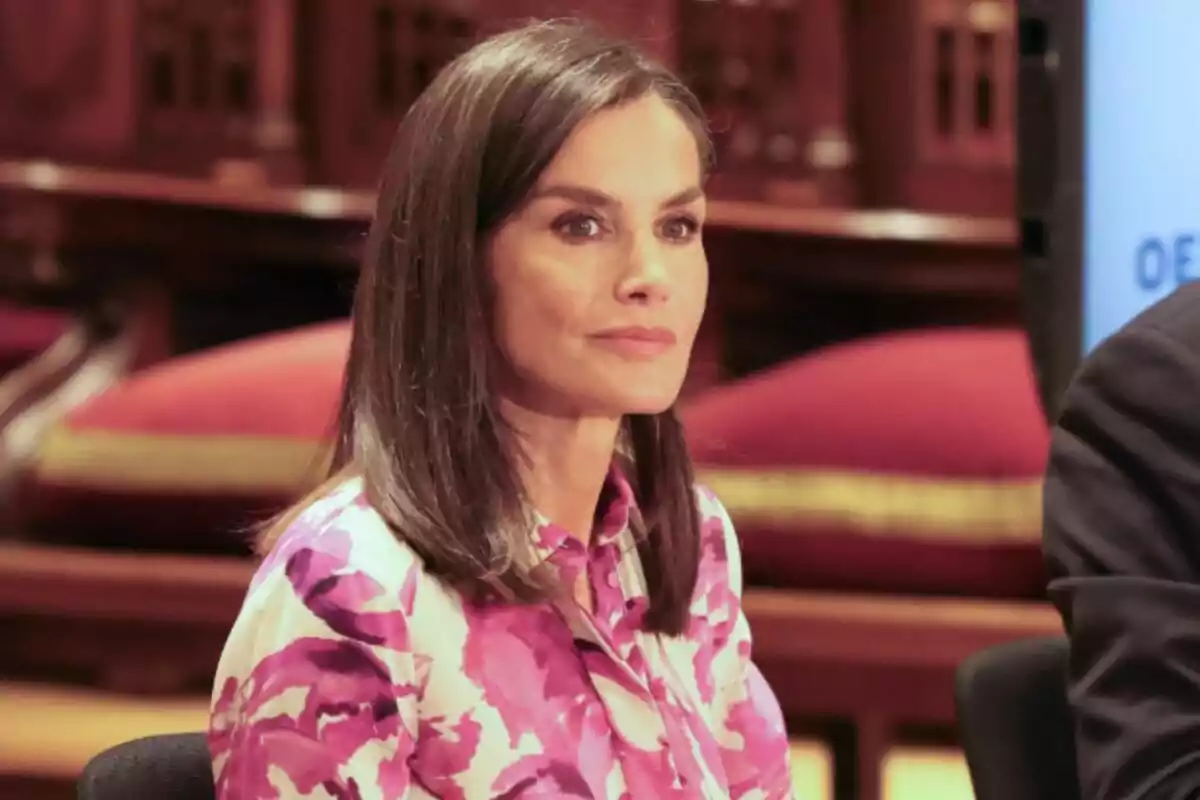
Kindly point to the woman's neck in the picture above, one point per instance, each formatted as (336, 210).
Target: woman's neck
(565, 466)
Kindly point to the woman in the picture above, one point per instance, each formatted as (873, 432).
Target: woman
(510, 587)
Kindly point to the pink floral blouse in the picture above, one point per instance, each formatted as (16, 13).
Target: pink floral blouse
(350, 673)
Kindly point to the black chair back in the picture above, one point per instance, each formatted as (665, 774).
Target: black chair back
(1015, 722)
(173, 766)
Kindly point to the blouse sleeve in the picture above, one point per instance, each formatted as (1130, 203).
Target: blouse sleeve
(315, 690)
(750, 726)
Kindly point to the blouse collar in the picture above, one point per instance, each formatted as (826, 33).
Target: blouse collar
(569, 552)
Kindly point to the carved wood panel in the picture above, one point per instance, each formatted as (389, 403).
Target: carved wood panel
(773, 76)
(965, 71)
(63, 81)
(652, 24)
(933, 97)
(364, 71)
(196, 76)
(899, 103)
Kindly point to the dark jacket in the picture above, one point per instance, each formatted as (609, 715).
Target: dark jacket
(1122, 543)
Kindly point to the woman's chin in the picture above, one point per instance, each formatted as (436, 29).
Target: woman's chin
(646, 402)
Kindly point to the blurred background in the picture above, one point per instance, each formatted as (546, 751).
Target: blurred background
(184, 188)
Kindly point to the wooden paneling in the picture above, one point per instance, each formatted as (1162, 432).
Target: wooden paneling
(361, 71)
(196, 70)
(185, 145)
(66, 79)
(896, 103)
(933, 94)
(773, 77)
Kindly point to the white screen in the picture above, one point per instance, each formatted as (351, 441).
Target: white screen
(1141, 218)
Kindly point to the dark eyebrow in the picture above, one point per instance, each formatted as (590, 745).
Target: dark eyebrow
(593, 197)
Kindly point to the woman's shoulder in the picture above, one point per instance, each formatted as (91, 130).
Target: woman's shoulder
(721, 555)
(339, 534)
(326, 623)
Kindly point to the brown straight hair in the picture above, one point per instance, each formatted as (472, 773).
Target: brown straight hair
(420, 421)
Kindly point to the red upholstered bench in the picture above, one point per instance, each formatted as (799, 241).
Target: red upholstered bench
(191, 453)
(864, 479)
(907, 463)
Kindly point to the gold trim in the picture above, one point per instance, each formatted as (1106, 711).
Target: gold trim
(967, 510)
(194, 464)
(938, 508)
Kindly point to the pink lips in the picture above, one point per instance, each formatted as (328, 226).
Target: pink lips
(637, 341)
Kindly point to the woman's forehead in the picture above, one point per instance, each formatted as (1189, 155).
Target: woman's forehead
(643, 147)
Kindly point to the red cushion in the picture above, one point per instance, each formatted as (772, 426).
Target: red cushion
(906, 462)
(195, 447)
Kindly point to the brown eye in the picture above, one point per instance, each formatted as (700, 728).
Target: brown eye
(578, 227)
(680, 229)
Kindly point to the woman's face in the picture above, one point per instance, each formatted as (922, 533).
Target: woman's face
(601, 276)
